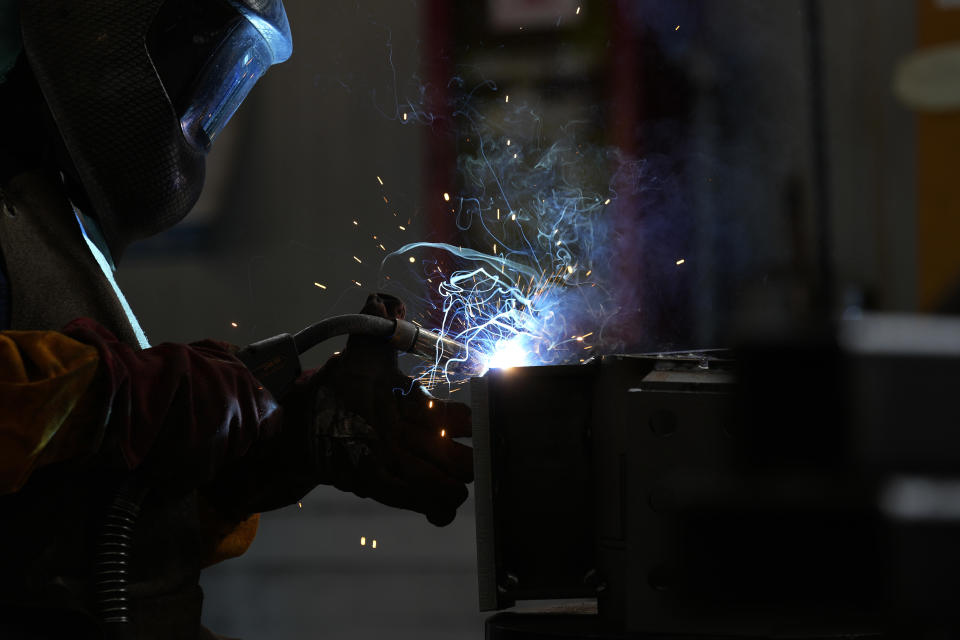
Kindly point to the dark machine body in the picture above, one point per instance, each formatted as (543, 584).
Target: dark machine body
(794, 488)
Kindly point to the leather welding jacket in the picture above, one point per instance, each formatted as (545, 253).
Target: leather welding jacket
(74, 427)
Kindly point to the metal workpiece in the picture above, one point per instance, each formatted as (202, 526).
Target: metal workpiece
(555, 449)
(533, 483)
(653, 416)
(483, 498)
(651, 484)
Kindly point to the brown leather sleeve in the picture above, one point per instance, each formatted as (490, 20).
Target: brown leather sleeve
(179, 413)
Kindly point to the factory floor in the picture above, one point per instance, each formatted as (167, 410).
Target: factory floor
(307, 576)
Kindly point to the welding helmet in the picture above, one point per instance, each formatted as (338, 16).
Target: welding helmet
(139, 89)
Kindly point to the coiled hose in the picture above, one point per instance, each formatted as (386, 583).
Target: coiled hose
(112, 572)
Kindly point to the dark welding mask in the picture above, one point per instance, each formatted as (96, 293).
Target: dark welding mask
(139, 89)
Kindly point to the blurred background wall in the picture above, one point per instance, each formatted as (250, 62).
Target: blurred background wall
(789, 178)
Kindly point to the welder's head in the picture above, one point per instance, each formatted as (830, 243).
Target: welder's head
(139, 89)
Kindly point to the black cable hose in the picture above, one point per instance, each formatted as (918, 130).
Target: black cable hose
(355, 323)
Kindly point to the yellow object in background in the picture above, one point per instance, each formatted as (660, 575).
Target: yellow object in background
(938, 156)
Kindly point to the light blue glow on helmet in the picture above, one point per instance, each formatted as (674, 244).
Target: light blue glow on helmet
(261, 40)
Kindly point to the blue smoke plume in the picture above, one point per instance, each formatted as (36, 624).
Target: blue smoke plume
(535, 280)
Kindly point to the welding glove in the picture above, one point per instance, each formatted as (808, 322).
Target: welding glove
(362, 426)
(379, 434)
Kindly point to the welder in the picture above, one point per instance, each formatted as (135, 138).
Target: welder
(125, 468)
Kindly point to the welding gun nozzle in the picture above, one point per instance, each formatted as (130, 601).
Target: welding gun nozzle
(449, 355)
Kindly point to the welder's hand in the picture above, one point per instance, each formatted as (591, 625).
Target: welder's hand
(379, 434)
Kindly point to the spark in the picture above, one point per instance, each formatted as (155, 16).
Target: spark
(380, 181)
(373, 544)
(515, 311)
(443, 433)
(404, 116)
(412, 259)
(363, 541)
(382, 247)
(506, 98)
(681, 261)
(299, 505)
(385, 200)
(578, 10)
(401, 227)
(321, 286)
(678, 28)
(446, 197)
(358, 260)
(430, 405)
(356, 283)
(356, 224)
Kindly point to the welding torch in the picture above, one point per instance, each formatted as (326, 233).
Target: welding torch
(275, 362)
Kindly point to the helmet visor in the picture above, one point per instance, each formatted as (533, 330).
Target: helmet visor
(257, 41)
